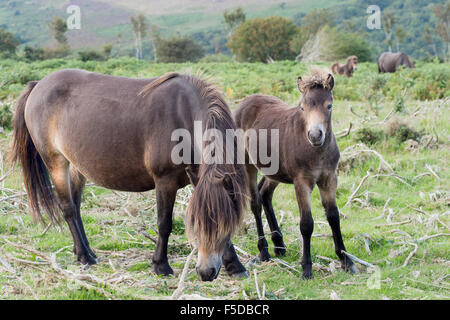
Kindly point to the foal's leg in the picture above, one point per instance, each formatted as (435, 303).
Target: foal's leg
(166, 192)
(231, 262)
(327, 187)
(256, 207)
(303, 189)
(266, 188)
(61, 178)
(77, 182)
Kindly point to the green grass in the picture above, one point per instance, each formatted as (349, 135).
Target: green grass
(114, 221)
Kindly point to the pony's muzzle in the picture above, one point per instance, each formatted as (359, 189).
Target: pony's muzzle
(316, 136)
(209, 267)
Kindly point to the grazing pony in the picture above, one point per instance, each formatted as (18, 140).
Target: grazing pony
(390, 62)
(308, 155)
(347, 68)
(75, 125)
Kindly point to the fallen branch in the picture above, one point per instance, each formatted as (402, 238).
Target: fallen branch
(364, 263)
(179, 290)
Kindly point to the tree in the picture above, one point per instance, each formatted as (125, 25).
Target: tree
(388, 26)
(442, 27)
(155, 37)
(139, 28)
(8, 43)
(309, 26)
(263, 39)
(428, 38)
(58, 28)
(178, 49)
(233, 19)
(400, 36)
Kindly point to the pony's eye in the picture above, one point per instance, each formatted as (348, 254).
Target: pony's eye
(330, 106)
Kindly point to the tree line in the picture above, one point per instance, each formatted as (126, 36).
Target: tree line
(311, 37)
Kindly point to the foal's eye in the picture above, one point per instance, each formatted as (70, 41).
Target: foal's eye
(330, 106)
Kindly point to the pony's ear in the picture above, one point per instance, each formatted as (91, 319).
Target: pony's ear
(193, 177)
(329, 83)
(301, 85)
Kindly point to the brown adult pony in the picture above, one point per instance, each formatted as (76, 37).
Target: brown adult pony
(347, 68)
(308, 155)
(390, 62)
(75, 125)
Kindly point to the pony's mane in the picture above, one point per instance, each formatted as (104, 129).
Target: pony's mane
(317, 77)
(218, 202)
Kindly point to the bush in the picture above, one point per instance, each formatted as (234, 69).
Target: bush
(178, 49)
(261, 39)
(5, 116)
(33, 54)
(218, 57)
(369, 136)
(90, 56)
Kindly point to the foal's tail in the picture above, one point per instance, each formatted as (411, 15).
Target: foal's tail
(35, 174)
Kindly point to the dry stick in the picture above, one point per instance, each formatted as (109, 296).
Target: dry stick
(177, 293)
(432, 171)
(393, 224)
(350, 199)
(256, 285)
(367, 264)
(345, 132)
(424, 238)
(413, 252)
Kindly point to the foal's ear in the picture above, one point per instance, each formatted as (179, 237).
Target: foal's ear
(329, 83)
(301, 85)
(193, 177)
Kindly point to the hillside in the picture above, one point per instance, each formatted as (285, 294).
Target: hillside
(103, 20)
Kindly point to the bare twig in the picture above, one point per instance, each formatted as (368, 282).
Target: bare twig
(177, 293)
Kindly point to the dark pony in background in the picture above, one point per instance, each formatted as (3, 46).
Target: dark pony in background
(308, 156)
(347, 68)
(390, 62)
(75, 125)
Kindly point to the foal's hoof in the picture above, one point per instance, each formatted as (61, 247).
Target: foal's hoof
(162, 269)
(307, 275)
(280, 251)
(87, 259)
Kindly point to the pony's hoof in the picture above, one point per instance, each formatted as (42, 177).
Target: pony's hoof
(264, 256)
(163, 270)
(240, 275)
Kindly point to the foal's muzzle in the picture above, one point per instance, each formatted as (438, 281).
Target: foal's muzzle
(316, 137)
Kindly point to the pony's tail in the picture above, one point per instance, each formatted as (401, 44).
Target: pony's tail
(35, 175)
(217, 205)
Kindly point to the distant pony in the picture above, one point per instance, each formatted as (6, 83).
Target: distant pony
(347, 68)
(390, 62)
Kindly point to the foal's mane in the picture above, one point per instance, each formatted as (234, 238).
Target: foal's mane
(317, 78)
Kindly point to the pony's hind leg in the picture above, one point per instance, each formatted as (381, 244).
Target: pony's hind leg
(327, 188)
(166, 192)
(256, 206)
(77, 182)
(266, 188)
(59, 170)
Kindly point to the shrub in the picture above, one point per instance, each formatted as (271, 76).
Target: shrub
(261, 39)
(90, 56)
(218, 57)
(5, 116)
(33, 54)
(178, 49)
(369, 136)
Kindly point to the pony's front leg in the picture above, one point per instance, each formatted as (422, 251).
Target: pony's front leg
(166, 193)
(303, 189)
(327, 187)
(231, 262)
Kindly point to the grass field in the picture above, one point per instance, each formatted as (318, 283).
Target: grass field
(393, 194)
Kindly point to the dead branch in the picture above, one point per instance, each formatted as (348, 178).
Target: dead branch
(177, 293)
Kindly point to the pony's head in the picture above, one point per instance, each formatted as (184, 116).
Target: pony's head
(214, 213)
(352, 62)
(316, 104)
